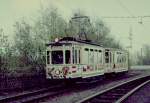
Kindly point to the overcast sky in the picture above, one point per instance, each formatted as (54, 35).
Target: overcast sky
(13, 10)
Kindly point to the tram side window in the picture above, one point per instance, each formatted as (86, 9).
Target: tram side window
(67, 57)
(99, 56)
(79, 57)
(75, 55)
(119, 59)
(110, 57)
(95, 56)
(48, 57)
(86, 56)
(57, 57)
(113, 56)
(106, 57)
(91, 56)
(124, 59)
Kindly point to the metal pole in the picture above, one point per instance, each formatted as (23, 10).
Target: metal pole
(141, 57)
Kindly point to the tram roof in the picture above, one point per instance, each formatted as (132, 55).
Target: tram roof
(69, 39)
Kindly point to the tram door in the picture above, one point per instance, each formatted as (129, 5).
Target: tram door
(108, 60)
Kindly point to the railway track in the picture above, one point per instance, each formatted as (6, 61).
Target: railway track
(118, 93)
(35, 95)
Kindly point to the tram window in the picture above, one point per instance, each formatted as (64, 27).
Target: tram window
(91, 49)
(118, 59)
(100, 57)
(75, 57)
(48, 55)
(106, 57)
(57, 57)
(86, 49)
(110, 57)
(124, 59)
(100, 51)
(113, 56)
(86, 56)
(67, 57)
(79, 57)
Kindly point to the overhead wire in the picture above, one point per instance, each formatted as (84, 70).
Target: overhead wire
(124, 7)
(143, 16)
(127, 17)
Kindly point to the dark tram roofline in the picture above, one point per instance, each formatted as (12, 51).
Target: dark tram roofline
(73, 39)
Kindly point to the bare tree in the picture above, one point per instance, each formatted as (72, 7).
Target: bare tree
(4, 50)
(30, 40)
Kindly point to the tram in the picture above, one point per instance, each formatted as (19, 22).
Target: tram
(73, 59)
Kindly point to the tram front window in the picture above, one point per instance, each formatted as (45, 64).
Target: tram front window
(57, 57)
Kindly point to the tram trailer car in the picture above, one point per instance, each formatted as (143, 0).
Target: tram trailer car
(72, 59)
(116, 61)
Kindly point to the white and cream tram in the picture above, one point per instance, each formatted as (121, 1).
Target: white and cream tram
(69, 58)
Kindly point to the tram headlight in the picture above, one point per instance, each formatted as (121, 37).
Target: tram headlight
(56, 39)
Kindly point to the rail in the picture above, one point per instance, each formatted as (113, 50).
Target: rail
(34, 95)
(117, 93)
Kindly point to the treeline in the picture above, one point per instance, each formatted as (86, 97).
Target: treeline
(143, 56)
(26, 52)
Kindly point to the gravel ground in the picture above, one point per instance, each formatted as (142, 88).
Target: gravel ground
(74, 96)
(141, 96)
(17, 92)
(140, 67)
